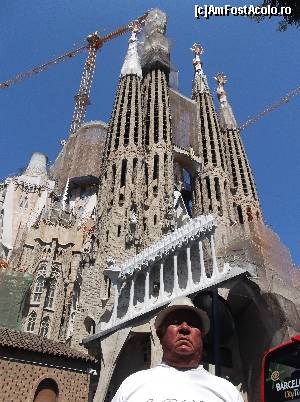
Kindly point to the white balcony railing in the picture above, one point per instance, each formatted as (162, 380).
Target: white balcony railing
(180, 263)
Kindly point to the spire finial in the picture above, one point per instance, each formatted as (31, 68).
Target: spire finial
(221, 80)
(131, 63)
(198, 50)
(135, 27)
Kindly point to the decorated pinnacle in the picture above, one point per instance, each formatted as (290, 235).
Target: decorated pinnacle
(221, 79)
(226, 115)
(197, 49)
(136, 27)
(131, 63)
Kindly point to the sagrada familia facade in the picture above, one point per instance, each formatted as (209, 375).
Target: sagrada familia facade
(160, 202)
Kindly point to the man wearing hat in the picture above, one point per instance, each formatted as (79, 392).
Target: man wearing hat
(179, 378)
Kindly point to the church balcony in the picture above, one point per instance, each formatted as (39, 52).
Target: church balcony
(181, 263)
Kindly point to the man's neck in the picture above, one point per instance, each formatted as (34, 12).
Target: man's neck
(181, 366)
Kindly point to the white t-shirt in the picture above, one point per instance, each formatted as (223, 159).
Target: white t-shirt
(168, 384)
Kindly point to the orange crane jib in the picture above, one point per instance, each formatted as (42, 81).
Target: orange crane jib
(94, 40)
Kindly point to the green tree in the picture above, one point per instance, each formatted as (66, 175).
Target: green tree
(290, 19)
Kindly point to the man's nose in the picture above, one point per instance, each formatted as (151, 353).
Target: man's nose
(184, 328)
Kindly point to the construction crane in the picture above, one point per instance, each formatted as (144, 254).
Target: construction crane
(82, 100)
(270, 108)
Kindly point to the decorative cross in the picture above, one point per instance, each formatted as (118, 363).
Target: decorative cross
(197, 49)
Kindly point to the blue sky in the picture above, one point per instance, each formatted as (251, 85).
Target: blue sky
(261, 64)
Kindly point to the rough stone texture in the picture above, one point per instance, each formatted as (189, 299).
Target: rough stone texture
(242, 185)
(184, 121)
(84, 145)
(212, 193)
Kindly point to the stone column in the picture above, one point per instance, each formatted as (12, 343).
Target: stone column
(202, 265)
(131, 308)
(116, 300)
(175, 275)
(189, 266)
(213, 254)
(146, 304)
(161, 282)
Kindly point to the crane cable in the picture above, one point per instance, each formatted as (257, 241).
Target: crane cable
(42, 67)
(270, 108)
(69, 54)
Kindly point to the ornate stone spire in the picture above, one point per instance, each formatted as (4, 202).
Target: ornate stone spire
(211, 191)
(200, 81)
(119, 210)
(158, 205)
(131, 63)
(227, 119)
(242, 185)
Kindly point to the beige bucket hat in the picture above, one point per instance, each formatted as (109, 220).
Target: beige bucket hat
(183, 303)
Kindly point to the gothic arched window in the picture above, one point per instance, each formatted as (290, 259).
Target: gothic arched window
(38, 290)
(49, 301)
(44, 327)
(31, 321)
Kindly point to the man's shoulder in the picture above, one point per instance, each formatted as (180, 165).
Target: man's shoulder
(221, 382)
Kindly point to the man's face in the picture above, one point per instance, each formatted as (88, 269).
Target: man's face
(181, 339)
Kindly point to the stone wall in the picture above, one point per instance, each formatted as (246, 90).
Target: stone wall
(81, 154)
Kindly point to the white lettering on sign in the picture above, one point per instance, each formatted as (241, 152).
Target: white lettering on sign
(291, 384)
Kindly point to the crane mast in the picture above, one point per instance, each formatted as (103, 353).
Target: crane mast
(82, 98)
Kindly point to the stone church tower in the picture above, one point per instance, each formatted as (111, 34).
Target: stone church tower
(157, 125)
(159, 203)
(212, 193)
(242, 186)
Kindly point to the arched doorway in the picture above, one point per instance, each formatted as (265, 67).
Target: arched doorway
(47, 391)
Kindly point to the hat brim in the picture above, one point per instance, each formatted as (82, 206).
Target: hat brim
(161, 316)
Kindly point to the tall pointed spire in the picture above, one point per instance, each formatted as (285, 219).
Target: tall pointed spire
(119, 213)
(227, 119)
(200, 81)
(211, 193)
(245, 199)
(131, 63)
(159, 208)
(120, 202)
